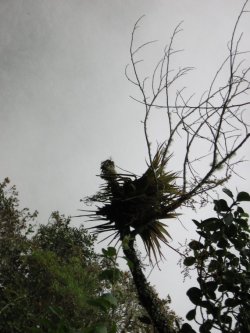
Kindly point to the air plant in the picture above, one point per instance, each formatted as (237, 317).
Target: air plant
(132, 205)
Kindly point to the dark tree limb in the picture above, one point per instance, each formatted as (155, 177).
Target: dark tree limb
(146, 294)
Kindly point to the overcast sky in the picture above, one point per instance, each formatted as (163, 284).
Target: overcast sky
(65, 103)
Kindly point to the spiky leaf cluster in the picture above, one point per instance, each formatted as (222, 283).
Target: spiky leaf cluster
(134, 205)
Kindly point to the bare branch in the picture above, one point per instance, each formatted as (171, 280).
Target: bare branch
(215, 122)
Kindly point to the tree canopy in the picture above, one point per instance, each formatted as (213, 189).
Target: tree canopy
(52, 280)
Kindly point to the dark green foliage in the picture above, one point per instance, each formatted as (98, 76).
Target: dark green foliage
(64, 240)
(14, 225)
(47, 280)
(222, 260)
(52, 281)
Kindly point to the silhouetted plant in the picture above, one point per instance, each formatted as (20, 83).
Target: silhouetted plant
(221, 258)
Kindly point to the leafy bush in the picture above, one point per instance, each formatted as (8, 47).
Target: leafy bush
(221, 258)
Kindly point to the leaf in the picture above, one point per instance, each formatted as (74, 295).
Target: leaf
(186, 328)
(205, 304)
(228, 192)
(211, 224)
(206, 326)
(191, 314)
(243, 196)
(222, 243)
(196, 223)
(231, 302)
(220, 205)
(216, 236)
(189, 261)
(240, 210)
(195, 245)
(110, 252)
(228, 218)
(211, 286)
(195, 295)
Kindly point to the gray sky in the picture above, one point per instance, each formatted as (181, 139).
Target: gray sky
(65, 103)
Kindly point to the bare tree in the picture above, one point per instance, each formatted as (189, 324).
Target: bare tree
(132, 205)
(216, 121)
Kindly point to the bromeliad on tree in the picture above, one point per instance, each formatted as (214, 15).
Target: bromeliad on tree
(136, 205)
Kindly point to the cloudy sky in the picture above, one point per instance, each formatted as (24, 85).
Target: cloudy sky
(65, 103)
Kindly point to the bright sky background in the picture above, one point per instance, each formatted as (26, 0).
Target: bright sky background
(65, 103)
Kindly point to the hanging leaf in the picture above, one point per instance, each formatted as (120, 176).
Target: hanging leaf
(191, 314)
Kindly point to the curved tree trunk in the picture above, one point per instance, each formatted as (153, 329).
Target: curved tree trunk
(146, 294)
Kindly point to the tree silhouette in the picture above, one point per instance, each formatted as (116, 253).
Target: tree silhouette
(134, 205)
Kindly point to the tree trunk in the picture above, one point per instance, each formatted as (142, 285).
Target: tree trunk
(147, 296)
